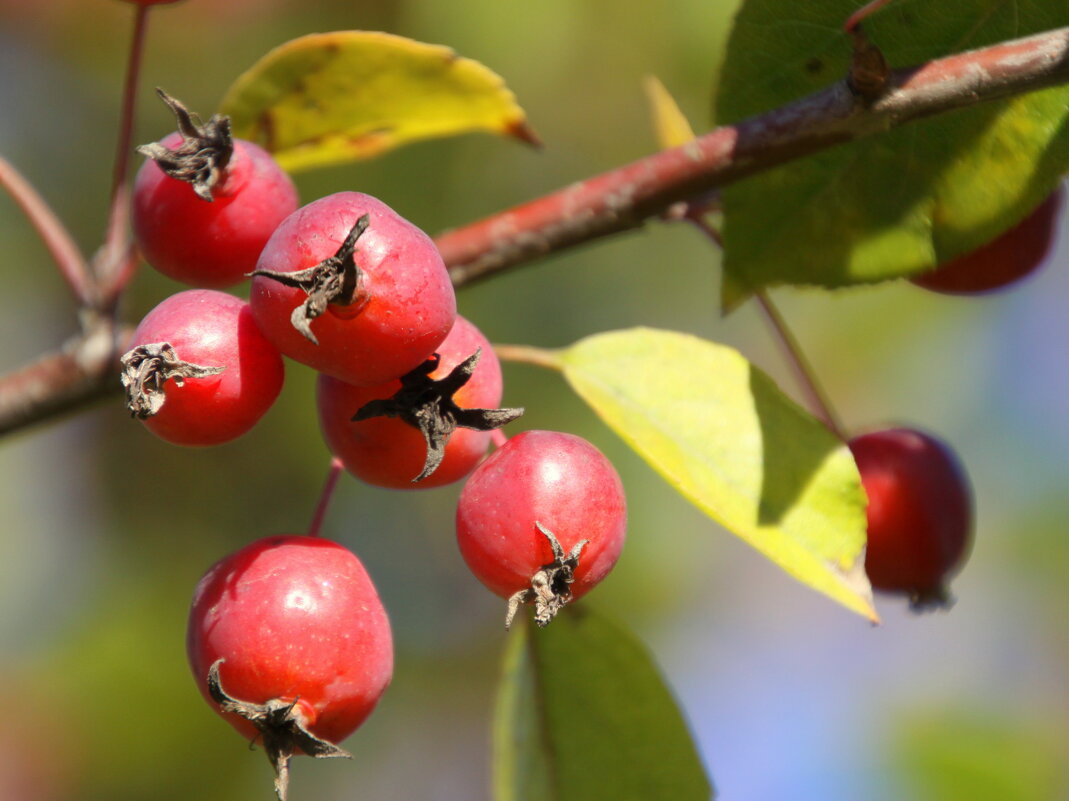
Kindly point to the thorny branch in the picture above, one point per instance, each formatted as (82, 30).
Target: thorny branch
(626, 197)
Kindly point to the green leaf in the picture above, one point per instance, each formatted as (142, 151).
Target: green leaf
(330, 98)
(894, 204)
(722, 433)
(583, 712)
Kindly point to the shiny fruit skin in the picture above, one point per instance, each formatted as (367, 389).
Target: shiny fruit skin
(387, 452)
(557, 479)
(294, 617)
(411, 305)
(211, 329)
(920, 517)
(1005, 260)
(211, 244)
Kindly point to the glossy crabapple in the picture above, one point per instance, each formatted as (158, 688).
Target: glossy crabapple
(428, 429)
(289, 642)
(542, 521)
(348, 286)
(1005, 260)
(920, 517)
(199, 372)
(204, 203)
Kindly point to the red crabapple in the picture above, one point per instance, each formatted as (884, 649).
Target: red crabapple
(1010, 257)
(204, 204)
(426, 429)
(919, 512)
(351, 288)
(199, 371)
(542, 521)
(288, 641)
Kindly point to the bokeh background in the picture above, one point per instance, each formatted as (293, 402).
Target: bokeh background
(106, 530)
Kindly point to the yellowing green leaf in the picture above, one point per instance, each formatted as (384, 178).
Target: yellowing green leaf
(582, 712)
(669, 122)
(330, 98)
(721, 433)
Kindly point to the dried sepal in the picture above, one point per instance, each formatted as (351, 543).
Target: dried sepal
(427, 404)
(145, 370)
(550, 588)
(282, 729)
(336, 280)
(205, 151)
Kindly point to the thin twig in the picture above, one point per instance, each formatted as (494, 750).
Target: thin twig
(626, 197)
(816, 399)
(68, 258)
(333, 472)
(110, 262)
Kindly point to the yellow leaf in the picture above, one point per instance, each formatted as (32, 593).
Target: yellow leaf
(330, 98)
(724, 436)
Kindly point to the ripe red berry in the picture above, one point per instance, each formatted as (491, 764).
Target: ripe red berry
(150, 2)
(199, 371)
(919, 512)
(389, 451)
(288, 641)
(1003, 261)
(349, 287)
(207, 226)
(542, 487)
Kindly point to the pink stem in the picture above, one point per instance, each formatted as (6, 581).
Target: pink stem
(111, 263)
(862, 13)
(816, 399)
(68, 258)
(803, 371)
(325, 496)
(498, 437)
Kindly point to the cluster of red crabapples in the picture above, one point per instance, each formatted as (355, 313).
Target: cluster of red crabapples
(287, 637)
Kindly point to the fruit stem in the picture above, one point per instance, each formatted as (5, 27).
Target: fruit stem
(803, 372)
(499, 438)
(865, 11)
(68, 258)
(543, 357)
(333, 472)
(110, 263)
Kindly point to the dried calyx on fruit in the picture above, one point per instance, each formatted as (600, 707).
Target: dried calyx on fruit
(199, 371)
(145, 369)
(336, 280)
(362, 300)
(542, 521)
(551, 586)
(204, 204)
(282, 727)
(427, 404)
(202, 156)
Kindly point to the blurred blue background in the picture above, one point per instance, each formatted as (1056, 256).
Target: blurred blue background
(107, 529)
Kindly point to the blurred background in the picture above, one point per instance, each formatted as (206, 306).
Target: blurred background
(789, 696)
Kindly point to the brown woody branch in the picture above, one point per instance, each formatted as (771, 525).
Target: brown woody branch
(624, 198)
